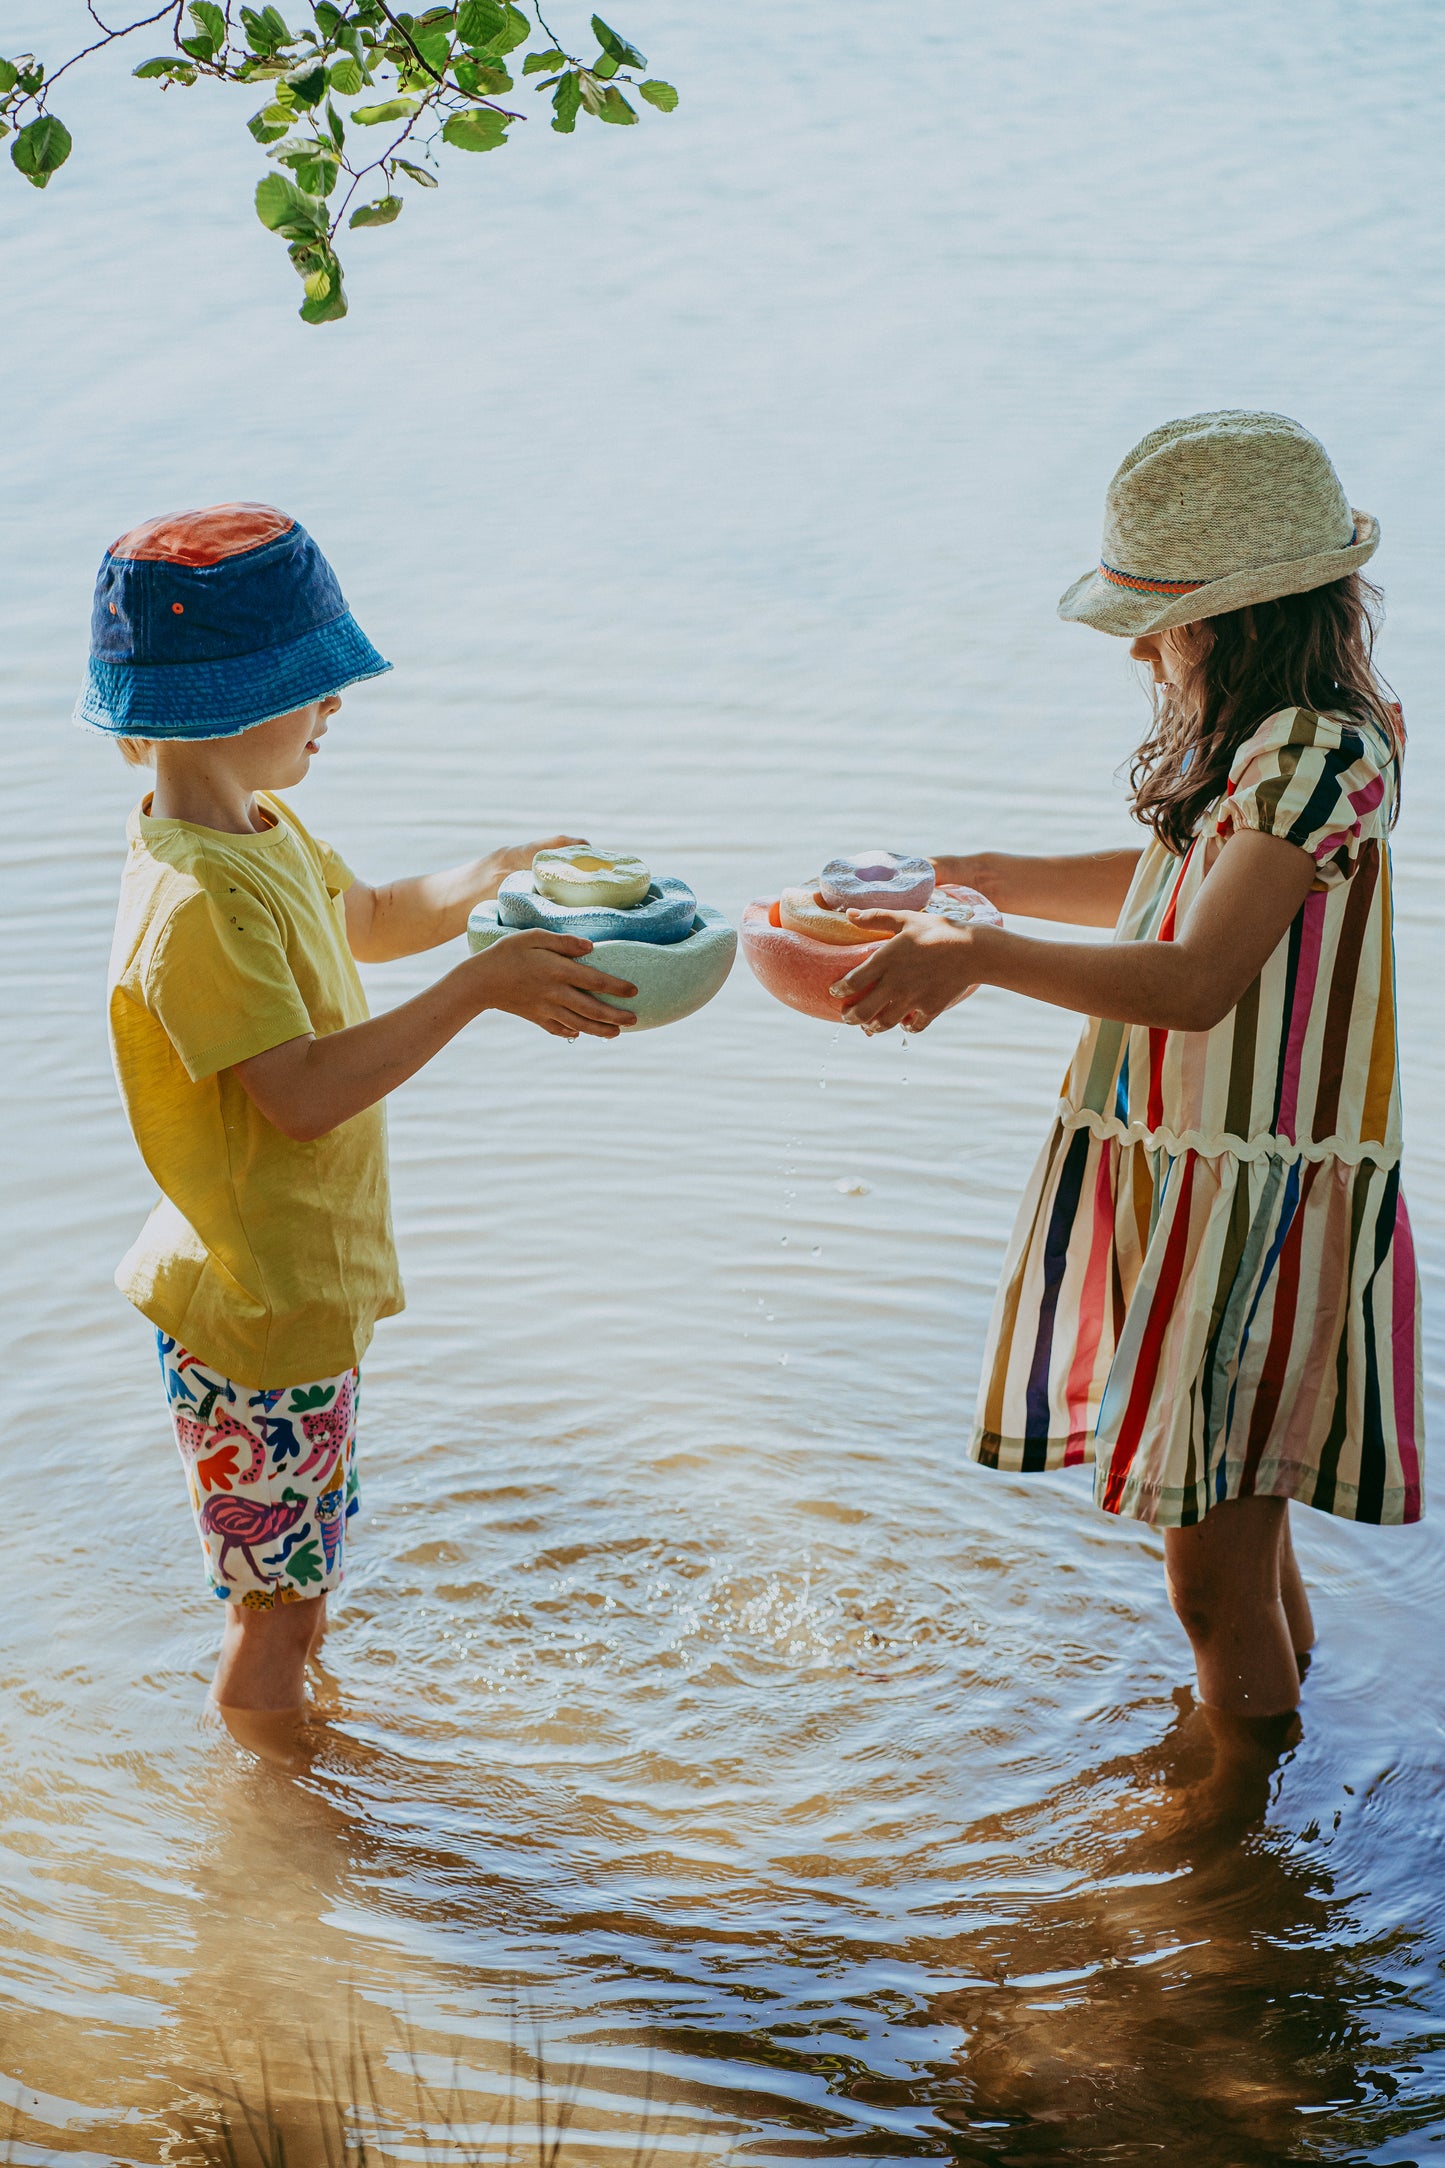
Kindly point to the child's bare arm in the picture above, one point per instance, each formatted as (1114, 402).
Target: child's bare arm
(1084, 888)
(401, 918)
(309, 1086)
(1241, 914)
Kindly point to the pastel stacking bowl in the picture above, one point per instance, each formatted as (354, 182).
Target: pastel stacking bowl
(673, 978)
(798, 971)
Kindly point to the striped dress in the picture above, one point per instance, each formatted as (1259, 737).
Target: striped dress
(1211, 1288)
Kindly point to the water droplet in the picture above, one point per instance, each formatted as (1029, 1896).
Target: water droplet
(851, 1186)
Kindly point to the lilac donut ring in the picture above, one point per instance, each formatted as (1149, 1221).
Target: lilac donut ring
(877, 881)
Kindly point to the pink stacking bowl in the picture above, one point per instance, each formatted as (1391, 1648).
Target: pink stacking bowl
(799, 972)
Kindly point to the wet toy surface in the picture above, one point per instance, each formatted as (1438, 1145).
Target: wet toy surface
(664, 912)
(798, 947)
(579, 876)
(876, 881)
(674, 950)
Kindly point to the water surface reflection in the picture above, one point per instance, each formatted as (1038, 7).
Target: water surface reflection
(691, 1699)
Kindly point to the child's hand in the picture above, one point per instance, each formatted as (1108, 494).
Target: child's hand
(538, 976)
(517, 857)
(922, 970)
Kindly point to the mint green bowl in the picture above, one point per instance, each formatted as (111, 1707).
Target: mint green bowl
(672, 979)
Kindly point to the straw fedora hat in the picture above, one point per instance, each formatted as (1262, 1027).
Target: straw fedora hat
(1213, 512)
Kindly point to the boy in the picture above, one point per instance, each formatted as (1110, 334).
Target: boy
(251, 1072)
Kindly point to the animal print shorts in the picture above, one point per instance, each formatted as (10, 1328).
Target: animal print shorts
(272, 1478)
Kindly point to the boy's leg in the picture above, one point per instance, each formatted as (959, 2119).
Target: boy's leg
(1225, 1584)
(272, 1479)
(264, 1654)
(1296, 1601)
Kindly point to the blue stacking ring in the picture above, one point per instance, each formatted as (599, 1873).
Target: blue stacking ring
(665, 914)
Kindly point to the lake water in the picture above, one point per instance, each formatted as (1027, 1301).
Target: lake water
(695, 1711)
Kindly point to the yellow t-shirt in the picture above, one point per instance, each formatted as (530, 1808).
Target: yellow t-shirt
(269, 1259)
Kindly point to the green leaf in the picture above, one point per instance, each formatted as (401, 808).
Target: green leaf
(626, 55)
(209, 20)
(418, 173)
(477, 129)
(376, 214)
(325, 301)
(372, 116)
(482, 77)
(346, 77)
(9, 75)
(270, 124)
(603, 66)
(40, 149)
(328, 18)
(479, 21)
(565, 100)
(614, 107)
(333, 123)
(662, 95)
(199, 48)
(285, 209)
(261, 31)
(492, 26)
(314, 167)
(307, 83)
(180, 71)
(543, 63)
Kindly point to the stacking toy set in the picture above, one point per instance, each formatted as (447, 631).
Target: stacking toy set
(653, 933)
(801, 943)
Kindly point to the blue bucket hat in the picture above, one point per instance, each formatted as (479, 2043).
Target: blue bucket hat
(206, 623)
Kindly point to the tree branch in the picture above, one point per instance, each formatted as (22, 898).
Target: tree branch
(475, 97)
(172, 7)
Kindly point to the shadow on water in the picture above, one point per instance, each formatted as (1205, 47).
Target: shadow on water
(1153, 1973)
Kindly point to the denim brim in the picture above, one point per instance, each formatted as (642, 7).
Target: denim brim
(221, 699)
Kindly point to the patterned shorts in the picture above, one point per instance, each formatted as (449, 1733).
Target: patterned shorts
(272, 1478)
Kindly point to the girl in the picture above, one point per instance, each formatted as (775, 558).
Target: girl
(1211, 1287)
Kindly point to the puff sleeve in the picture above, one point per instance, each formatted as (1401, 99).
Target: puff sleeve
(1315, 781)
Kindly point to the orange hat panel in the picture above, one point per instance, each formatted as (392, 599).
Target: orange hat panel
(206, 537)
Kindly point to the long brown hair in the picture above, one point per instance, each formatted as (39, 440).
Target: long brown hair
(1313, 650)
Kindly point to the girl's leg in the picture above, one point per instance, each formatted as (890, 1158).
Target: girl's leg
(1296, 1601)
(1225, 1584)
(264, 1655)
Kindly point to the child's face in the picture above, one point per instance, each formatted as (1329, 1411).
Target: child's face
(1163, 652)
(278, 754)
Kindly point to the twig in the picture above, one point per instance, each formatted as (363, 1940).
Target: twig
(557, 45)
(360, 173)
(441, 82)
(172, 7)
